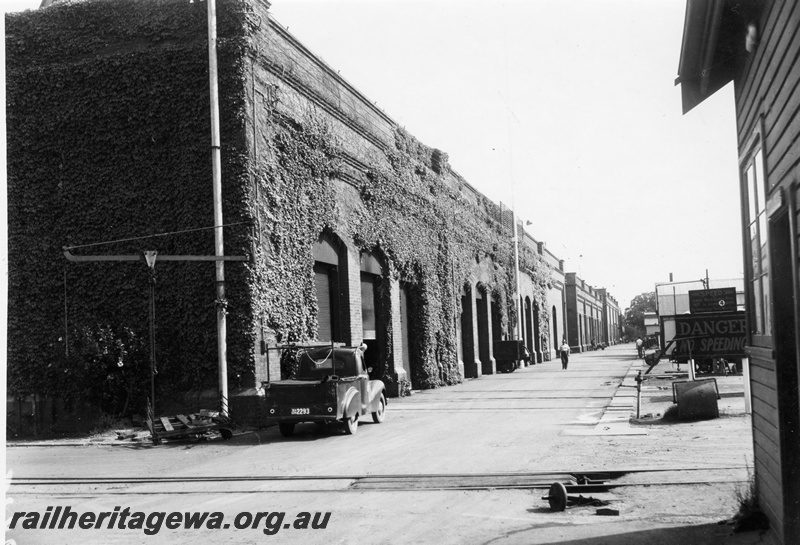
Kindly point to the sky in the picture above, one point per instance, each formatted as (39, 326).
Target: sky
(566, 109)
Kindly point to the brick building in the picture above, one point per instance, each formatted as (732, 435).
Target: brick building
(586, 313)
(356, 231)
(543, 340)
(611, 321)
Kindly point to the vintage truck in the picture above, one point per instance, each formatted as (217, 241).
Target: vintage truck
(331, 385)
(509, 355)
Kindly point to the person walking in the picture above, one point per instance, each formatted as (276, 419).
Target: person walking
(564, 354)
(640, 347)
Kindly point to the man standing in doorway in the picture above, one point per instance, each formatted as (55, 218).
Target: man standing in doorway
(564, 354)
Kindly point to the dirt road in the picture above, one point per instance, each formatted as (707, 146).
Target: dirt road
(456, 465)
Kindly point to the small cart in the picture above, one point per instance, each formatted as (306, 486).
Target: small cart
(180, 425)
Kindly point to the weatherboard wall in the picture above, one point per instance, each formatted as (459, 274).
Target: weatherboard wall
(768, 116)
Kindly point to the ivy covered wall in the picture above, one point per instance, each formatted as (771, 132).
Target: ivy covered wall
(108, 141)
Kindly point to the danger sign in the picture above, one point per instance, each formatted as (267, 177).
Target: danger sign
(713, 335)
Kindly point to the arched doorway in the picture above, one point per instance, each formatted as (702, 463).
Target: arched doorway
(467, 335)
(407, 334)
(497, 328)
(482, 308)
(556, 341)
(329, 287)
(374, 312)
(537, 334)
(529, 329)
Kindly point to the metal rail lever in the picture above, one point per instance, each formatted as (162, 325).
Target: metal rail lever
(559, 500)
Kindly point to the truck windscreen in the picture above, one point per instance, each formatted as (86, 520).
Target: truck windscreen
(320, 363)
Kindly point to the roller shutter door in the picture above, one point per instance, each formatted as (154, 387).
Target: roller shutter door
(322, 285)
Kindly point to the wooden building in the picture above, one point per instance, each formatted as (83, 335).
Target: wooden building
(756, 44)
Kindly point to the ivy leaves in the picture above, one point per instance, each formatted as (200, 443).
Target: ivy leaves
(431, 234)
(294, 180)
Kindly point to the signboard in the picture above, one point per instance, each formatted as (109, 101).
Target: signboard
(651, 325)
(713, 300)
(650, 318)
(713, 335)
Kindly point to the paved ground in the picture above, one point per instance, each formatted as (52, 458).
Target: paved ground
(455, 465)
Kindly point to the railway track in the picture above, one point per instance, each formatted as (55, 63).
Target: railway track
(577, 482)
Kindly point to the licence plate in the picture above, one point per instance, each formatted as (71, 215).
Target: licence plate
(303, 410)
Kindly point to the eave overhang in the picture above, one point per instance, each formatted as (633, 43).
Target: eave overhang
(713, 46)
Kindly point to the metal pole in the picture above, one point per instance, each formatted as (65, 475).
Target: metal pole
(513, 209)
(222, 343)
(639, 380)
(674, 302)
(152, 320)
(66, 316)
(516, 269)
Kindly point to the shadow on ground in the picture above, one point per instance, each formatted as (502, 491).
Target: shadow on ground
(703, 534)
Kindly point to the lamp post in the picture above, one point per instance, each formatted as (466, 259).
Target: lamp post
(150, 259)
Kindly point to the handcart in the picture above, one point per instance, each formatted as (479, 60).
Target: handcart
(180, 425)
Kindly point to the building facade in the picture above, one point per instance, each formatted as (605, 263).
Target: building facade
(543, 328)
(587, 325)
(355, 232)
(612, 318)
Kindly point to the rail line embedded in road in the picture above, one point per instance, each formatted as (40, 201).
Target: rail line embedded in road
(583, 481)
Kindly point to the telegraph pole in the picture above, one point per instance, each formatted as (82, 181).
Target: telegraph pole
(517, 304)
(221, 303)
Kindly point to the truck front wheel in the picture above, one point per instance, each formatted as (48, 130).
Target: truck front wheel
(351, 424)
(378, 415)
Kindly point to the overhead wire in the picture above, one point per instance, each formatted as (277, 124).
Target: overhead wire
(156, 235)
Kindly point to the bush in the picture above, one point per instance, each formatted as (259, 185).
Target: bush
(750, 516)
